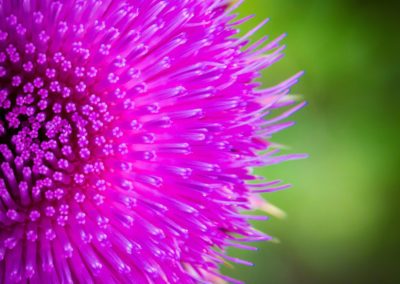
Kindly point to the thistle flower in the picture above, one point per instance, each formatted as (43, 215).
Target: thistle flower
(127, 134)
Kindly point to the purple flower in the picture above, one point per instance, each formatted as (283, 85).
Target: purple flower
(127, 133)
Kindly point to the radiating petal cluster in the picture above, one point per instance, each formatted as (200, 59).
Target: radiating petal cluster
(127, 134)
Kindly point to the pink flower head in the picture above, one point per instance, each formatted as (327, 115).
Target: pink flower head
(127, 133)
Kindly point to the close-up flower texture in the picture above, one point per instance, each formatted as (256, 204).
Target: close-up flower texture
(128, 134)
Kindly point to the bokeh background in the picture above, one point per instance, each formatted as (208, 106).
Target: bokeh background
(342, 224)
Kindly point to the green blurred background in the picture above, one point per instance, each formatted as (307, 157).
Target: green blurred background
(341, 224)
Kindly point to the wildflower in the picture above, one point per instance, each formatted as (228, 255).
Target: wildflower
(127, 130)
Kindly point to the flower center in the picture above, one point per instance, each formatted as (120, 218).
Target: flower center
(51, 125)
